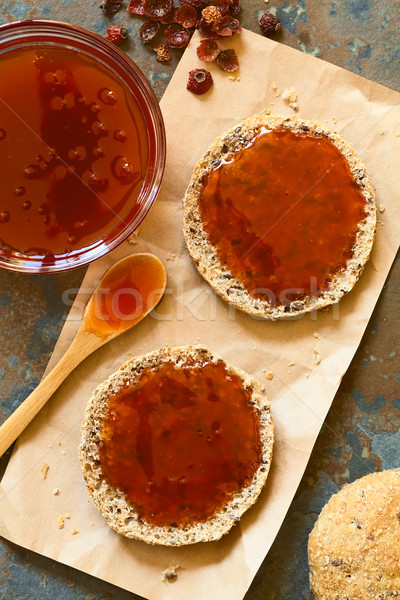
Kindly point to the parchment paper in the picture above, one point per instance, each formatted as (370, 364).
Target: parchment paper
(368, 116)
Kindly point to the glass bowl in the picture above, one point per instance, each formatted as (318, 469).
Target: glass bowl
(82, 146)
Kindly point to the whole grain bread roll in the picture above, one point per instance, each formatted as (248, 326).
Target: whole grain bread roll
(205, 254)
(122, 514)
(354, 548)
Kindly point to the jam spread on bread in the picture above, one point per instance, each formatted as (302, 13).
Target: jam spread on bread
(282, 214)
(181, 442)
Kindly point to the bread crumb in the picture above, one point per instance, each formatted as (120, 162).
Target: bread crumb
(134, 237)
(42, 580)
(291, 364)
(129, 353)
(334, 119)
(44, 469)
(171, 256)
(382, 208)
(74, 532)
(269, 375)
(262, 388)
(397, 134)
(59, 444)
(232, 78)
(382, 133)
(237, 78)
(67, 516)
(56, 491)
(60, 522)
(315, 351)
(317, 360)
(63, 452)
(289, 95)
(307, 375)
(170, 574)
(276, 90)
(316, 336)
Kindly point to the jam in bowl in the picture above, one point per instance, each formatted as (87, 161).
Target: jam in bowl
(82, 146)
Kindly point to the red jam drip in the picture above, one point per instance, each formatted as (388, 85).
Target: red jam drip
(73, 151)
(181, 443)
(282, 214)
(126, 292)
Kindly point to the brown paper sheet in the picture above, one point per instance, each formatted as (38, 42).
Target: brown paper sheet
(368, 116)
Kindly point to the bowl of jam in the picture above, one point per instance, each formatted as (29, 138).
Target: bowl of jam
(82, 146)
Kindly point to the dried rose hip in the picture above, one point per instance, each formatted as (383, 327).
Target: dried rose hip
(148, 31)
(234, 7)
(170, 17)
(211, 15)
(162, 52)
(110, 7)
(186, 16)
(228, 26)
(208, 50)
(176, 36)
(207, 30)
(198, 4)
(222, 5)
(157, 9)
(227, 60)
(136, 7)
(199, 81)
(117, 34)
(269, 24)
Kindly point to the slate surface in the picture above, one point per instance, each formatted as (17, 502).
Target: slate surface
(362, 431)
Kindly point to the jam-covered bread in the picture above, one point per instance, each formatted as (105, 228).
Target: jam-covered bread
(354, 548)
(176, 446)
(279, 216)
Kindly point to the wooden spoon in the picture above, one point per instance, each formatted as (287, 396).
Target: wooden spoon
(126, 293)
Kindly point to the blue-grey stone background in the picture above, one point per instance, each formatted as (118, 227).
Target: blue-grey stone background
(362, 430)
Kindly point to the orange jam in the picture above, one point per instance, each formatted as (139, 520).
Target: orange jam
(73, 151)
(282, 214)
(181, 442)
(126, 292)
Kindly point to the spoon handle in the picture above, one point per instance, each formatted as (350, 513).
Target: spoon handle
(83, 345)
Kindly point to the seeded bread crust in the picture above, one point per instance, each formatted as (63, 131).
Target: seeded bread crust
(112, 503)
(204, 254)
(354, 548)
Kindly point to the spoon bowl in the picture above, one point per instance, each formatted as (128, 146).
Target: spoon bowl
(126, 293)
